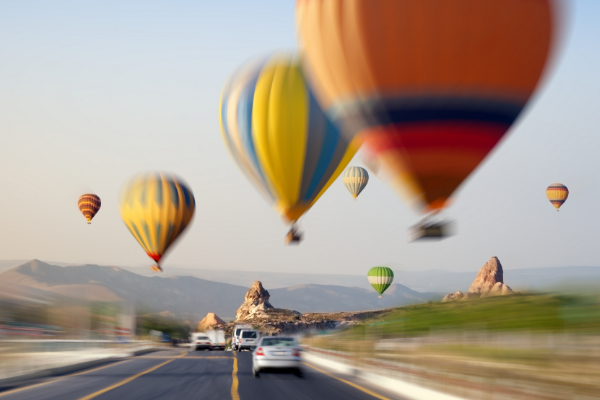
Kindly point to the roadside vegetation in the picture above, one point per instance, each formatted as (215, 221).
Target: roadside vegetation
(518, 312)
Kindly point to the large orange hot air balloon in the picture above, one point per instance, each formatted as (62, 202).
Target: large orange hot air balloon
(431, 86)
(89, 205)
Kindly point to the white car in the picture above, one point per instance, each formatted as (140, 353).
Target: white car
(200, 340)
(248, 339)
(276, 352)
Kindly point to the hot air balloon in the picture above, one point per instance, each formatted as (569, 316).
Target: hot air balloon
(380, 278)
(89, 205)
(355, 179)
(430, 86)
(156, 207)
(557, 193)
(280, 138)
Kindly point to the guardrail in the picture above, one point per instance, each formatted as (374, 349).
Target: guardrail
(26, 356)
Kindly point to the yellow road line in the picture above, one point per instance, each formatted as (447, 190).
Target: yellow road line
(123, 382)
(59, 379)
(354, 385)
(234, 380)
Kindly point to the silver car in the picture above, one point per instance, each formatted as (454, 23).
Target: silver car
(275, 352)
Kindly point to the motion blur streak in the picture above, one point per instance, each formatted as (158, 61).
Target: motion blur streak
(431, 86)
(521, 346)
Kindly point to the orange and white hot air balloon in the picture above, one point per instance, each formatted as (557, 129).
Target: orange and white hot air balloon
(557, 193)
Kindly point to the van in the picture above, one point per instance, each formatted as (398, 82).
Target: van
(237, 329)
(248, 339)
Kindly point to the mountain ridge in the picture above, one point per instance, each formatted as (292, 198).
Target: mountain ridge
(194, 297)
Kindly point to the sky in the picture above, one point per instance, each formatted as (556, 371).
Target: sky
(92, 93)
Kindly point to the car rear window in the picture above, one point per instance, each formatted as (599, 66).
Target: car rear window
(237, 332)
(248, 335)
(279, 342)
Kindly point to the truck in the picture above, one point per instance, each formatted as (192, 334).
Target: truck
(235, 337)
(217, 339)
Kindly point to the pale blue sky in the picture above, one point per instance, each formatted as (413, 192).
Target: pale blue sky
(94, 92)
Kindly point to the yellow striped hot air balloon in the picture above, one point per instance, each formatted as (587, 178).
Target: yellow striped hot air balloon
(157, 208)
(557, 193)
(89, 205)
(355, 179)
(280, 138)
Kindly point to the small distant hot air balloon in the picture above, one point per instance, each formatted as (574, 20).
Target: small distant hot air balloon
(355, 179)
(557, 193)
(157, 207)
(89, 205)
(280, 138)
(380, 278)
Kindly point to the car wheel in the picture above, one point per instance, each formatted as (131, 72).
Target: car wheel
(255, 373)
(298, 372)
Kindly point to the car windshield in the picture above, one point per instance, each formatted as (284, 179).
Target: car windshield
(248, 335)
(278, 342)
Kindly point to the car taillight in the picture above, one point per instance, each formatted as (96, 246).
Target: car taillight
(296, 353)
(259, 352)
(197, 342)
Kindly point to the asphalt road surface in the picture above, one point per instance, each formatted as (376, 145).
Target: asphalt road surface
(180, 374)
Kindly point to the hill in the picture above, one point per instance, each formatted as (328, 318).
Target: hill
(193, 298)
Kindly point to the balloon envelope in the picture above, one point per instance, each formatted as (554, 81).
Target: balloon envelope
(89, 205)
(355, 179)
(380, 278)
(557, 193)
(156, 208)
(280, 138)
(431, 86)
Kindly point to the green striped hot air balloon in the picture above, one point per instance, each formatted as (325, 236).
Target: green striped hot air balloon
(380, 278)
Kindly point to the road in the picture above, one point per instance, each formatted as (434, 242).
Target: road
(180, 374)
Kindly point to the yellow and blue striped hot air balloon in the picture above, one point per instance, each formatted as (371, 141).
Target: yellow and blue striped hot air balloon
(356, 179)
(280, 138)
(157, 207)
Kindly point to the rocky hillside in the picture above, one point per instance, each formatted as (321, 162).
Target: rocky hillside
(258, 310)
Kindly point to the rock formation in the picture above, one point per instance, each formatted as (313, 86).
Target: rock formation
(211, 320)
(458, 295)
(488, 282)
(256, 302)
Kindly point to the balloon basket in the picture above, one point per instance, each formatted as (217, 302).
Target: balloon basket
(293, 237)
(430, 230)
(156, 268)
